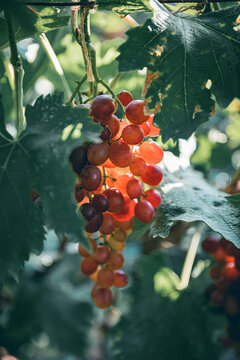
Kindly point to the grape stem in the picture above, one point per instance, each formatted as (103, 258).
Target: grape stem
(82, 36)
(80, 83)
(16, 62)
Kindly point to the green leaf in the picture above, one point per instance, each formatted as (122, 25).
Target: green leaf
(47, 19)
(47, 309)
(235, 200)
(188, 197)
(165, 323)
(138, 230)
(38, 160)
(184, 52)
(21, 222)
(124, 7)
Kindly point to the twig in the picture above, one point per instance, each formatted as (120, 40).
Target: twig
(57, 66)
(16, 62)
(230, 189)
(80, 83)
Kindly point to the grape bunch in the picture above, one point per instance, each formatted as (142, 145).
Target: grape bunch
(114, 184)
(224, 293)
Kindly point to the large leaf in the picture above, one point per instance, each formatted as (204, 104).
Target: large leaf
(184, 52)
(45, 20)
(164, 323)
(188, 197)
(44, 308)
(38, 160)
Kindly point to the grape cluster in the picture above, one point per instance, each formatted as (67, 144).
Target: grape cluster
(110, 189)
(224, 293)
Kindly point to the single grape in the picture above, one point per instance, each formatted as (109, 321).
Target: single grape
(211, 244)
(102, 298)
(116, 260)
(120, 154)
(103, 106)
(151, 152)
(101, 203)
(138, 166)
(105, 278)
(122, 124)
(125, 97)
(34, 195)
(88, 211)
(153, 196)
(108, 224)
(78, 158)
(135, 112)
(116, 245)
(98, 153)
(230, 272)
(88, 266)
(152, 176)
(144, 211)
(91, 177)
(120, 235)
(132, 134)
(101, 255)
(94, 224)
(115, 198)
(113, 123)
(134, 188)
(120, 279)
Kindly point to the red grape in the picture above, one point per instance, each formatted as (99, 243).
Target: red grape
(113, 124)
(152, 176)
(115, 260)
(153, 196)
(100, 202)
(146, 128)
(120, 279)
(94, 224)
(98, 153)
(103, 106)
(134, 188)
(88, 211)
(138, 166)
(88, 266)
(151, 152)
(115, 198)
(78, 158)
(135, 112)
(101, 255)
(105, 277)
(132, 134)
(120, 154)
(127, 212)
(125, 97)
(91, 177)
(108, 224)
(102, 298)
(144, 211)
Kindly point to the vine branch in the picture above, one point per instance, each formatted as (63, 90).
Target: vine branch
(16, 62)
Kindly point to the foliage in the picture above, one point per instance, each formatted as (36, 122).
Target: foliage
(190, 65)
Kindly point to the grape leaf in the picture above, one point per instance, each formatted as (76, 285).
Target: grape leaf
(183, 52)
(38, 160)
(188, 197)
(46, 308)
(46, 19)
(235, 200)
(124, 7)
